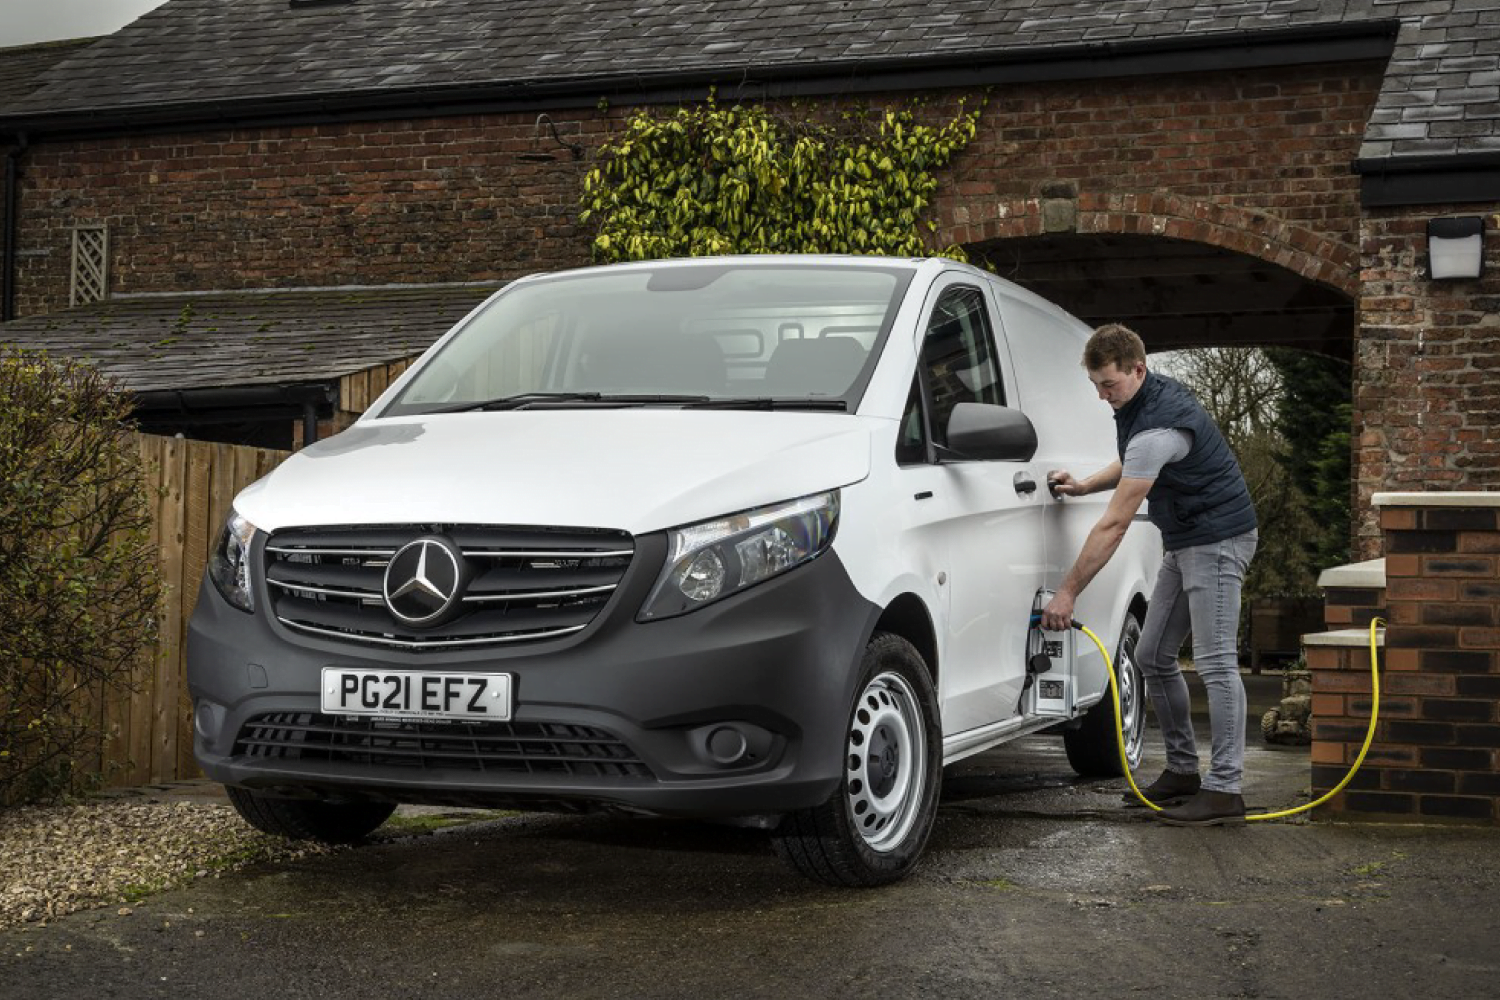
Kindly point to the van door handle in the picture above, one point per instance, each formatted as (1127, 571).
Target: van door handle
(1024, 484)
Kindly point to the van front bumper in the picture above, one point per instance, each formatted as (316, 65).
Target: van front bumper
(737, 709)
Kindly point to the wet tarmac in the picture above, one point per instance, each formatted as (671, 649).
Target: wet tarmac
(1035, 884)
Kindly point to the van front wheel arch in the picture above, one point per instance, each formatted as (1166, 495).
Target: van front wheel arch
(873, 828)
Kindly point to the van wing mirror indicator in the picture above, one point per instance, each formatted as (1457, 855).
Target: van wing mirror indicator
(992, 433)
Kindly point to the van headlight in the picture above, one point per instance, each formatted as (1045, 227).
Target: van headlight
(229, 565)
(711, 560)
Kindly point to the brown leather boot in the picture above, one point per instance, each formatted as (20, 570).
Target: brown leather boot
(1172, 788)
(1207, 808)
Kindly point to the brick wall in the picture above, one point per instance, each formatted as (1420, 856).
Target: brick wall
(356, 203)
(449, 199)
(1437, 746)
(1277, 143)
(1427, 392)
(1352, 607)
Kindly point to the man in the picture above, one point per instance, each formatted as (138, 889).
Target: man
(1173, 455)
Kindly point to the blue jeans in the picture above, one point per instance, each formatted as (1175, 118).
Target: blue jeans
(1198, 589)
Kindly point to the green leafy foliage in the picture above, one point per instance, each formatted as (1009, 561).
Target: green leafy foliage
(79, 586)
(716, 179)
(1314, 418)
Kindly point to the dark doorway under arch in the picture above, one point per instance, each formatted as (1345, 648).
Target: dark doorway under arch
(1176, 293)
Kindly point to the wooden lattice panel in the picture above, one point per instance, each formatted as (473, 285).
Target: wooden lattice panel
(90, 265)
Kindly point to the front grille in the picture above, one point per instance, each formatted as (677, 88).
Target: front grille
(527, 583)
(545, 748)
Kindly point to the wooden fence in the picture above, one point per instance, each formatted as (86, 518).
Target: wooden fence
(149, 734)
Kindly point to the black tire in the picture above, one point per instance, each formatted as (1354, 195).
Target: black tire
(309, 819)
(874, 827)
(1092, 747)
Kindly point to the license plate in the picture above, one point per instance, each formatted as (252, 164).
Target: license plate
(417, 694)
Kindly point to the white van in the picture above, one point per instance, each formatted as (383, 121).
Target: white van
(756, 539)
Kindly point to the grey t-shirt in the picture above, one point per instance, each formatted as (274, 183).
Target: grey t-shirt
(1149, 450)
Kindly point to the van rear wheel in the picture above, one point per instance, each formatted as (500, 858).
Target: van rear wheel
(874, 827)
(1093, 748)
(309, 819)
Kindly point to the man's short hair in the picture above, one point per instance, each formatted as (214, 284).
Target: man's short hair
(1114, 344)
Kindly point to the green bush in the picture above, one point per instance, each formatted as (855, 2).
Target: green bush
(79, 585)
(717, 179)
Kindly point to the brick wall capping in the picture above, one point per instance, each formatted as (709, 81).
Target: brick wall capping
(1345, 638)
(1369, 574)
(1438, 498)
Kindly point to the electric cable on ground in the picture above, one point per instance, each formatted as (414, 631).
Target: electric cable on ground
(1114, 688)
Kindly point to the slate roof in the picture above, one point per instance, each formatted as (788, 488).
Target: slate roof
(1441, 96)
(221, 339)
(22, 66)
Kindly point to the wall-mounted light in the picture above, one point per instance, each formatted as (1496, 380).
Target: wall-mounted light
(1455, 247)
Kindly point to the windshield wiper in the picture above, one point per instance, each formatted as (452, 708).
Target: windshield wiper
(522, 400)
(518, 400)
(770, 403)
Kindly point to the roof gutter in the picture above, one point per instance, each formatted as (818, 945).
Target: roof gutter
(221, 404)
(12, 201)
(1319, 44)
(1454, 179)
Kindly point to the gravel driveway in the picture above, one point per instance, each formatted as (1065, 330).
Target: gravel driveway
(58, 859)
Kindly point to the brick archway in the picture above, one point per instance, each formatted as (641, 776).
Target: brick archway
(1228, 227)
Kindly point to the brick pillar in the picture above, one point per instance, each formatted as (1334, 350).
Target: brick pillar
(1352, 595)
(1339, 661)
(1437, 750)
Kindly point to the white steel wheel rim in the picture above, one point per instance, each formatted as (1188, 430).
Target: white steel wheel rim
(885, 763)
(1132, 715)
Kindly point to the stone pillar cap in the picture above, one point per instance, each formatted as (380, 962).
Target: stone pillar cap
(1455, 498)
(1370, 575)
(1347, 637)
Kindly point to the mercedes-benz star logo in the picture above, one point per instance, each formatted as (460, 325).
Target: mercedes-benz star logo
(424, 581)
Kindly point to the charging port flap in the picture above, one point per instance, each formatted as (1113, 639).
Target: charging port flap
(1049, 668)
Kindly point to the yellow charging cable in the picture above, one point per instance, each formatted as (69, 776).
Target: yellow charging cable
(1114, 690)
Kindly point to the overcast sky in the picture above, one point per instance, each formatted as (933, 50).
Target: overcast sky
(26, 21)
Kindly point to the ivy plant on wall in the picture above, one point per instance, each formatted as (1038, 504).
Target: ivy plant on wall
(715, 179)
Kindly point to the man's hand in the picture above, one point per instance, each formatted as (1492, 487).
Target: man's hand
(1057, 616)
(1062, 483)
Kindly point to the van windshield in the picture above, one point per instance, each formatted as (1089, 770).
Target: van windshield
(679, 332)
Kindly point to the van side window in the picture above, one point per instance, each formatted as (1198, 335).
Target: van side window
(958, 357)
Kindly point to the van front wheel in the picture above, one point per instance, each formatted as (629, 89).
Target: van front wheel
(872, 830)
(309, 819)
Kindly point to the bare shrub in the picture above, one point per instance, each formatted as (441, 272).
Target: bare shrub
(79, 585)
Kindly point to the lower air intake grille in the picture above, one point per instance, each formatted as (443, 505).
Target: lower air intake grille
(550, 748)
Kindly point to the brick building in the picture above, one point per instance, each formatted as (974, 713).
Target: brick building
(1214, 173)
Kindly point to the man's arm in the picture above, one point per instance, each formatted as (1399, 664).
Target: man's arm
(1107, 478)
(1104, 538)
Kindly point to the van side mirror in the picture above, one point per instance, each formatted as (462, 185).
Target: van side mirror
(990, 433)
